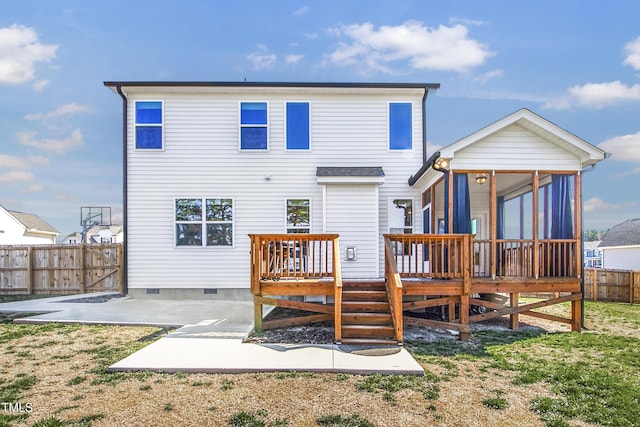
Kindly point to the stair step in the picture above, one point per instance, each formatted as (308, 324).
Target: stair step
(365, 306)
(366, 319)
(372, 285)
(368, 341)
(367, 331)
(364, 295)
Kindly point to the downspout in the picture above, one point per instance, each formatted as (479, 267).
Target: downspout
(424, 126)
(125, 244)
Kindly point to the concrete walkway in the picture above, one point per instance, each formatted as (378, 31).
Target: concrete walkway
(210, 337)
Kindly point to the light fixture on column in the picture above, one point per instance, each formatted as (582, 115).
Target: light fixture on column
(481, 178)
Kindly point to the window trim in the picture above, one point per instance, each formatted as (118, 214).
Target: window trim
(389, 148)
(241, 126)
(286, 205)
(413, 213)
(203, 222)
(286, 122)
(136, 125)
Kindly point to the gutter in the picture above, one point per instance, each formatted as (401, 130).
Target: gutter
(427, 164)
(125, 244)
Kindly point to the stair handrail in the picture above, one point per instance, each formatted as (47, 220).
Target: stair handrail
(337, 289)
(393, 284)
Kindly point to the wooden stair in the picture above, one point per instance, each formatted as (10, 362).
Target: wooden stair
(366, 315)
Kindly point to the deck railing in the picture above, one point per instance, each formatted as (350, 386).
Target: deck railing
(517, 258)
(394, 288)
(430, 256)
(298, 258)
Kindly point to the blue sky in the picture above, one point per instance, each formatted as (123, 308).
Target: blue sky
(576, 63)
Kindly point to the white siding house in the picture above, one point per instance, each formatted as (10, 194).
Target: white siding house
(621, 246)
(20, 228)
(206, 164)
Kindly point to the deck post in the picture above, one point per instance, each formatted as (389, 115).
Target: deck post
(576, 315)
(514, 319)
(464, 317)
(257, 315)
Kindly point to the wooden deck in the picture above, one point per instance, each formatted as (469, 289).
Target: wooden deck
(422, 271)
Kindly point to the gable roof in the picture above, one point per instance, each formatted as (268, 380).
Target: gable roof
(587, 153)
(33, 222)
(623, 234)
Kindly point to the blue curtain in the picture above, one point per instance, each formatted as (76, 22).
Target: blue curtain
(462, 205)
(500, 218)
(561, 214)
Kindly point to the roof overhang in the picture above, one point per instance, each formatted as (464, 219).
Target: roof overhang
(350, 175)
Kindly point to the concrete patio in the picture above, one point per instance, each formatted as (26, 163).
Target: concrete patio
(209, 337)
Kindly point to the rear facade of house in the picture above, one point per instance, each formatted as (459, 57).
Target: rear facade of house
(207, 164)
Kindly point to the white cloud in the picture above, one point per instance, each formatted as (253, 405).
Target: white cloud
(466, 21)
(262, 61)
(493, 74)
(13, 162)
(625, 148)
(33, 188)
(50, 145)
(15, 176)
(302, 11)
(39, 85)
(294, 58)
(39, 160)
(424, 48)
(19, 52)
(597, 204)
(63, 110)
(633, 53)
(596, 95)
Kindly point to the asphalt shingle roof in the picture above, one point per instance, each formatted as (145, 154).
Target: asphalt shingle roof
(358, 171)
(623, 234)
(33, 222)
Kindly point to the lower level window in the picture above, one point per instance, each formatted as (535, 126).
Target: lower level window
(204, 222)
(298, 215)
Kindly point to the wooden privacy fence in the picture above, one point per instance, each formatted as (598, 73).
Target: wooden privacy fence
(60, 269)
(612, 285)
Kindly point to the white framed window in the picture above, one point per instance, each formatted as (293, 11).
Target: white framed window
(298, 215)
(254, 125)
(400, 126)
(298, 135)
(204, 221)
(149, 122)
(400, 215)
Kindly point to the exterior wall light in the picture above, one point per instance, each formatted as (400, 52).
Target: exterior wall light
(481, 179)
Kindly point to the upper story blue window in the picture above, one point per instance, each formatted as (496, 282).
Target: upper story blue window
(253, 126)
(149, 119)
(400, 126)
(297, 125)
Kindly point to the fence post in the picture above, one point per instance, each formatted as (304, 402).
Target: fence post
(83, 284)
(29, 278)
(632, 275)
(594, 284)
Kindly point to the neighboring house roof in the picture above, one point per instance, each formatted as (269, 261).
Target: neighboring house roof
(33, 222)
(591, 245)
(587, 153)
(350, 171)
(624, 234)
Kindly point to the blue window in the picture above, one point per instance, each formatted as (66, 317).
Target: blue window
(297, 125)
(253, 126)
(149, 125)
(400, 126)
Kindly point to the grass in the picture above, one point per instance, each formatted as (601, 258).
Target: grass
(500, 377)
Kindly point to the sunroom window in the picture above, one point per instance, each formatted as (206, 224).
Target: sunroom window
(253, 126)
(149, 118)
